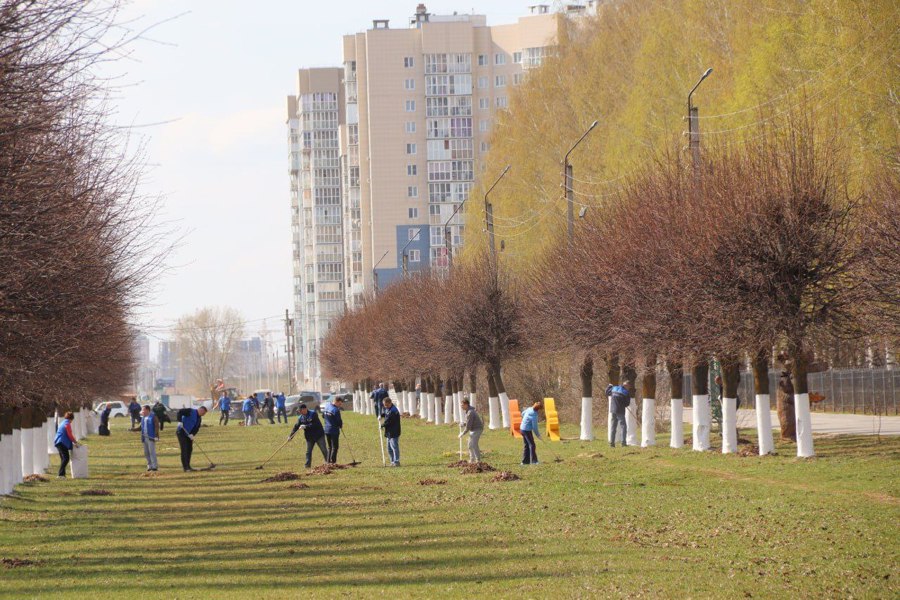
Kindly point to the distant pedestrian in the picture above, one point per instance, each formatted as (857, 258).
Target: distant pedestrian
(280, 407)
(391, 426)
(149, 437)
(247, 410)
(189, 420)
(331, 413)
(64, 441)
(313, 431)
(162, 414)
(377, 396)
(619, 399)
(104, 420)
(474, 426)
(134, 409)
(224, 405)
(529, 429)
(257, 407)
(269, 405)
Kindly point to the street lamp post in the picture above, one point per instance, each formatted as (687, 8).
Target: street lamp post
(568, 183)
(694, 123)
(489, 212)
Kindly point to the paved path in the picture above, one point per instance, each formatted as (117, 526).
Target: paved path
(827, 423)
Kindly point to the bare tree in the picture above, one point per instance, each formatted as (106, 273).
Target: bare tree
(207, 340)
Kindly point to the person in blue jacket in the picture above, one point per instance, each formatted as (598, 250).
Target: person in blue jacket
(331, 413)
(149, 436)
(280, 410)
(189, 420)
(391, 426)
(64, 442)
(377, 396)
(224, 405)
(529, 429)
(134, 409)
(619, 399)
(313, 431)
(247, 408)
(104, 420)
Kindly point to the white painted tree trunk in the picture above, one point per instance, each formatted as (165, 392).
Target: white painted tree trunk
(39, 447)
(4, 465)
(648, 422)
(804, 426)
(494, 413)
(504, 409)
(676, 439)
(609, 421)
(729, 425)
(472, 398)
(587, 419)
(448, 409)
(700, 422)
(631, 423)
(438, 416)
(27, 451)
(423, 404)
(428, 401)
(457, 407)
(51, 435)
(764, 425)
(15, 466)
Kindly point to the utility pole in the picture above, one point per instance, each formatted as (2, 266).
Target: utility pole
(405, 264)
(489, 213)
(568, 183)
(289, 348)
(448, 246)
(694, 125)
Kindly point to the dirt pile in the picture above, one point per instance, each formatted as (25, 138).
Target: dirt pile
(458, 464)
(283, 476)
(433, 482)
(96, 493)
(326, 469)
(298, 486)
(12, 563)
(750, 450)
(479, 467)
(505, 476)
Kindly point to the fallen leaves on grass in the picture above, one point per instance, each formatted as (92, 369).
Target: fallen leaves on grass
(479, 467)
(298, 486)
(590, 455)
(97, 492)
(283, 476)
(34, 478)
(433, 482)
(457, 464)
(12, 563)
(326, 469)
(505, 476)
(749, 451)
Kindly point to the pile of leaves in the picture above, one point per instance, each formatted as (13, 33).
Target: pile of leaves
(298, 486)
(283, 476)
(326, 469)
(457, 464)
(505, 476)
(97, 492)
(34, 478)
(750, 450)
(12, 563)
(433, 482)
(479, 467)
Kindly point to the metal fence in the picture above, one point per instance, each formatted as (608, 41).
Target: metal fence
(873, 391)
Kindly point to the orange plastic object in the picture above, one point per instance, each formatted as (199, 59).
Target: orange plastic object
(552, 419)
(515, 418)
(813, 398)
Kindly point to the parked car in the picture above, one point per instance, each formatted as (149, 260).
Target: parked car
(117, 409)
(312, 400)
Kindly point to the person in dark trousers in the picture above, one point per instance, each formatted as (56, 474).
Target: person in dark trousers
(134, 409)
(529, 430)
(269, 405)
(619, 399)
(64, 442)
(247, 410)
(189, 420)
(161, 412)
(377, 396)
(104, 420)
(257, 407)
(224, 405)
(313, 431)
(391, 426)
(149, 437)
(331, 413)
(280, 407)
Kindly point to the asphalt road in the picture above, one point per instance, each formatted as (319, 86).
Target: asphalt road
(828, 423)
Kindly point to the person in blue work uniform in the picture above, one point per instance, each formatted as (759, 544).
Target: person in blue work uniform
(104, 420)
(391, 426)
(247, 409)
(377, 396)
(149, 437)
(280, 407)
(529, 429)
(189, 420)
(64, 442)
(134, 409)
(313, 431)
(619, 399)
(224, 405)
(331, 413)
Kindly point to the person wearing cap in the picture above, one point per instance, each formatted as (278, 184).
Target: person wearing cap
(64, 442)
(313, 431)
(619, 399)
(529, 429)
(149, 437)
(391, 426)
(281, 407)
(331, 413)
(189, 420)
(377, 396)
(474, 426)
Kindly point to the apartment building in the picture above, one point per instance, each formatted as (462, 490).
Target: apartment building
(313, 115)
(420, 103)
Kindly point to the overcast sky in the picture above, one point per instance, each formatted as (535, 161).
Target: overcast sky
(217, 73)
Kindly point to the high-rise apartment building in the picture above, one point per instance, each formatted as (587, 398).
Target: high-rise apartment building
(316, 212)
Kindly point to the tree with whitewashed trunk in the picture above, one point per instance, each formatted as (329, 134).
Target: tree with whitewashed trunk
(493, 403)
(676, 385)
(760, 365)
(648, 403)
(701, 414)
(586, 374)
(731, 379)
(629, 377)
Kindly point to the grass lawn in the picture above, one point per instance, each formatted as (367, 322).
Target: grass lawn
(624, 522)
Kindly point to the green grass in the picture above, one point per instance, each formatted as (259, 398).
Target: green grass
(649, 523)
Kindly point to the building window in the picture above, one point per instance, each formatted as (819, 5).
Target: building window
(409, 62)
(501, 102)
(412, 191)
(500, 58)
(410, 106)
(415, 255)
(412, 170)
(482, 60)
(412, 233)
(517, 78)
(517, 57)
(409, 84)
(485, 146)
(483, 125)
(410, 148)
(482, 83)
(413, 213)
(410, 127)
(500, 81)
(484, 103)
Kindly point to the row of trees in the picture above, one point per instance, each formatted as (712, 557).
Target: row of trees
(74, 235)
(761, 254)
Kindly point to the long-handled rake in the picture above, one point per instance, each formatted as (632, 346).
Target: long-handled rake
(346, 439)
(212, 465)
(556, 457)
(259, 468)
(381, 443)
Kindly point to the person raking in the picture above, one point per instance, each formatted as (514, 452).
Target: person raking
(189, 420)
(313, 431)
(529, 429)
(331, 413)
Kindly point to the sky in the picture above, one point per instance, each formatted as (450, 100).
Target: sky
(204, 90)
